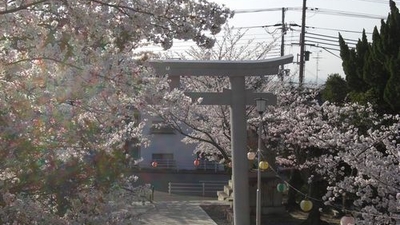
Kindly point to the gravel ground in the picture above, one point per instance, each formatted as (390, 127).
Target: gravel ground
(217, 213)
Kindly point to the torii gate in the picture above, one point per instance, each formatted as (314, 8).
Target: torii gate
(237, 97)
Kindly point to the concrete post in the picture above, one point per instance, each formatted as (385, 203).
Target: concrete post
(240, 176)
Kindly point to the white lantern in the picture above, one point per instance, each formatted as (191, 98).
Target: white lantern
(347, 220)
(251, 155)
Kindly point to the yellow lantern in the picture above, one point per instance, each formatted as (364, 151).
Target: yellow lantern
(306, 205)
(263, 165)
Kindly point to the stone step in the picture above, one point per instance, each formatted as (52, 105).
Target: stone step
(222, 196)
(228, 190)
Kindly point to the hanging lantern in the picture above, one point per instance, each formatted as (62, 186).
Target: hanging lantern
(251, 155)
(196, 162)
(281, 187)
(263, 165)
(306, 205)
(154, 164)
(347, 220)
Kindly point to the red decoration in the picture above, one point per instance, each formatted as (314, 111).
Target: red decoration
(196, 162)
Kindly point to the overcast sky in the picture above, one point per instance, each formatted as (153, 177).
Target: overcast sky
(349, 17)
(325, 19)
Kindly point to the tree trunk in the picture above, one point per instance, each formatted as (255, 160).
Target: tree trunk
(295, 181)
(317, 190)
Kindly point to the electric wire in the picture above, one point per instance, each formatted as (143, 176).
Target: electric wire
(332, 42)
(377, 1)
(296, 25)
(317, 10)
(344, 13)
(329, 36)
(341, 30)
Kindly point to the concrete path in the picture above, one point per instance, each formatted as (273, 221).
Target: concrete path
(178, 213)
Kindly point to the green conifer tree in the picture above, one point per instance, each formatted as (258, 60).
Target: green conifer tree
(372, 69)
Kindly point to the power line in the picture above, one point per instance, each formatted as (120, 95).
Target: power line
(341, 30)
(322, 43)
(296, 25)
(240, 11)
(344, 13)
(377, 1)
(317, 10)
(332, 42)
(331, 37)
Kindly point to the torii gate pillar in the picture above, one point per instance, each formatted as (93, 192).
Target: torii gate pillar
(238, 97)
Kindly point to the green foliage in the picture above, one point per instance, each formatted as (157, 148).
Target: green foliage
(372, 68)
(335, 89)
(392, 91)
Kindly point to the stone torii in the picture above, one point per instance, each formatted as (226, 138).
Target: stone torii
(237, 97)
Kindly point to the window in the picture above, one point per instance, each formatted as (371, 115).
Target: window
(162, 156)
(160, 127)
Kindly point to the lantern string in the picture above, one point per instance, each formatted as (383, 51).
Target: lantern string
(295, 189)
(336, 206)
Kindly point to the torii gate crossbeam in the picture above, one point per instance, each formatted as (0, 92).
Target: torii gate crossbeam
(238, 97)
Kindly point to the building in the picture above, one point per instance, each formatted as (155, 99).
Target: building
(168, 151)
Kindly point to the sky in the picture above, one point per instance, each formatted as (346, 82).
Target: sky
(325, 19)
(324, 23)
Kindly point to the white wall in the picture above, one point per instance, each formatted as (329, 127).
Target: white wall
(167, 143)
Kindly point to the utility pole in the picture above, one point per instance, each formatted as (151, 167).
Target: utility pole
(317, 65)
(282, 67)
(283, 32)
(302, 44)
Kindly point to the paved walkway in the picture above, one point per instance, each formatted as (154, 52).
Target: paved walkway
(178, 213)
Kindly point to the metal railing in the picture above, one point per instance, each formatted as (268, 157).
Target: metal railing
(210, 165)
(173, 165)
(165, 163)
(202, 188)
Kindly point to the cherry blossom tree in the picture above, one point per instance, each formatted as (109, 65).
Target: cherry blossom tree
(70, 72)
(348, 150)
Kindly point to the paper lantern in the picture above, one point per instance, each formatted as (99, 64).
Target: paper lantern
(251, 155)
(281, 187)
(263, 165)
(154, 164)
(306, 205)
(347, 220)
(196, 162)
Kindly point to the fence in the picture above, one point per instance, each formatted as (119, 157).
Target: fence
(204, 165)
(210, 165)
(203, 188)
(165, 163)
